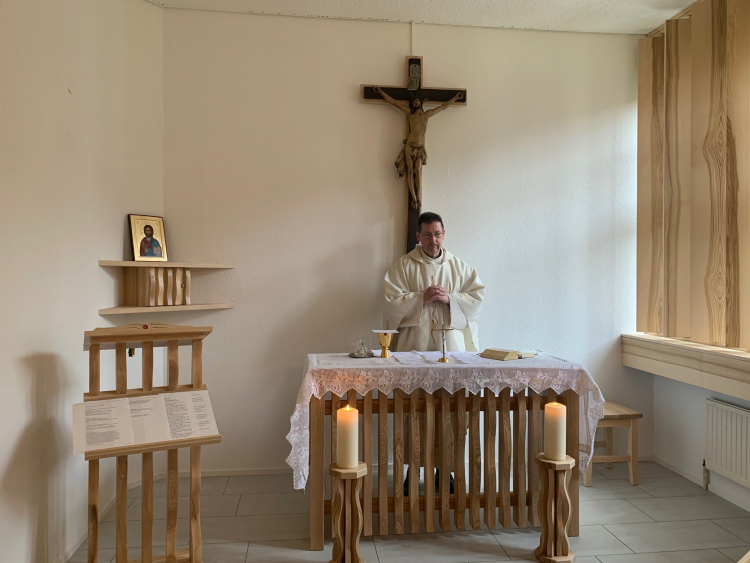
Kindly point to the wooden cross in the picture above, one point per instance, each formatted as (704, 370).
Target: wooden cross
(411, 99)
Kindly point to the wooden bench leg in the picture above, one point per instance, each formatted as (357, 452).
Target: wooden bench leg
(588, 475)
(608, 446)
(633, 451)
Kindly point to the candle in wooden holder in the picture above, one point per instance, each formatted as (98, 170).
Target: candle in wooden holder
(554, 431)
(347, 436)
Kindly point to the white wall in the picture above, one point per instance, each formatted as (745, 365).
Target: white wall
(680, 434)
(271, 162)
(81, 145)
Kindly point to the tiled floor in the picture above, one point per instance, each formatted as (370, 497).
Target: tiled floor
(666, 519)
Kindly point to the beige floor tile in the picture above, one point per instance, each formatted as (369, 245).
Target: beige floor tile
(107, 538)
(451, 547)
(112, 512)
(674, 536)
(251, 484)
(294, 551)
(735, 553)
(211, 506)
(703, 556)
(646, 470)
(594, 540)
(255, 528)
(273, 503)
(607, 489)
(672, 487)
(688, 508)
(594, 512)
(212, 553)
(80, 556)
(209, 486)
(740, 527)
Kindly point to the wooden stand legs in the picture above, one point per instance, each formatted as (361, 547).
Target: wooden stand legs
(554, 510)
(346, 517)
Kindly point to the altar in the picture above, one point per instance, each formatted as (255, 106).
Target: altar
(506, 398)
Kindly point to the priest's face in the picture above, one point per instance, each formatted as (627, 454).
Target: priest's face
(431, 236)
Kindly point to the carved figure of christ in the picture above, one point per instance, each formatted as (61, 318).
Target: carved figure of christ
(413, 155)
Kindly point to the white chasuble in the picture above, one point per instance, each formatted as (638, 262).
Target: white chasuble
(405, 284)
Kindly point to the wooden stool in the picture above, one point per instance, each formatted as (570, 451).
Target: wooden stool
(616, 415)
(554, 510)
(346, 513)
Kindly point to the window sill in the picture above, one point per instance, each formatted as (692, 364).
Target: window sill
(711, 367)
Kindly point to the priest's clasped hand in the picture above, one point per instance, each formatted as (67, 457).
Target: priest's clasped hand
(436, 293)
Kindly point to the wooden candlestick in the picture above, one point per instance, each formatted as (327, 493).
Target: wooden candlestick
(554, 510)
(346, 513)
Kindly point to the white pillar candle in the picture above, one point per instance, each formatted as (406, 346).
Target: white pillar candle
(554, 431)
(347, 437)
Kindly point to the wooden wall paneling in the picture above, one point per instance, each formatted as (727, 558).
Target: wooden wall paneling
(677, 168)
(738, 174)
(650, 184)
(708, 181)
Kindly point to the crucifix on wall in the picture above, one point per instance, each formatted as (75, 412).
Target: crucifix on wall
(413, 156)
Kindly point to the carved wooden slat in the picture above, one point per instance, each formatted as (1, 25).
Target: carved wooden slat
(459, 456)
(738, 174)
(172, 496)
(151, 287)
(179, 286)
(535, 448)
(414, 462)
(147, 507)
(170, 287)
(429, 463)
(335, 405)
(317, 483)
(677, 167)
(121, 368)
(506, 448)
(519, 460)
(196, 539)
(475, 462)
(650, 270)
(446, 452)
(398, 460)
(367, 456)
(490, 469)
(122, 510)
(159, 286)
(382, 463)
(571, 401)
(93, 513)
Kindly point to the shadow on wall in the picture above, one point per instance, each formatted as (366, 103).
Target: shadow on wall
(32, 486)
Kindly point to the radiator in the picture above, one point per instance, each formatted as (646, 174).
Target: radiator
(728, 441)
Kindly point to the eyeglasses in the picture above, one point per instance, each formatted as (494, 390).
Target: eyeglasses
(436, 236)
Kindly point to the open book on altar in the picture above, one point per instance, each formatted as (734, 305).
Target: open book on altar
(142, 420)
(503, 354)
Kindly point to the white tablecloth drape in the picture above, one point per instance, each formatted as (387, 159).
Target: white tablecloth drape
(408, 371)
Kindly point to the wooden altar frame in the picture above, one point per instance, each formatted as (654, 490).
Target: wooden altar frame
(120, 339)
(520, 443)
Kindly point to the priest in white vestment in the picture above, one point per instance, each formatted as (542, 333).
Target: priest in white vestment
(426, 288)
(430, 287)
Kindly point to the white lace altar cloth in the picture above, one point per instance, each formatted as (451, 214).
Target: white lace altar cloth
(338, 373)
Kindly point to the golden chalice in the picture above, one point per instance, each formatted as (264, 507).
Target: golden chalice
(384, 339)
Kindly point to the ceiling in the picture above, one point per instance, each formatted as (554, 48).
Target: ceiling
(602, 16)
